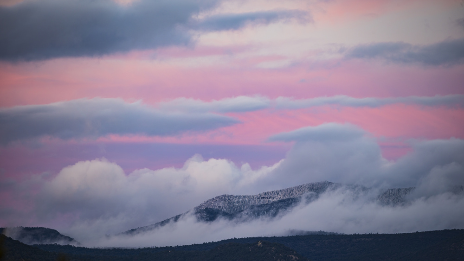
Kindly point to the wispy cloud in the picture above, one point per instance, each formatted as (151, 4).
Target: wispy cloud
(237, 21)
(234, 104)
(93, 118)
(253, 103)
(347, 101)
(449, 52)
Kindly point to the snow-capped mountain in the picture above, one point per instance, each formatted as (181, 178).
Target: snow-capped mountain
(241, 208)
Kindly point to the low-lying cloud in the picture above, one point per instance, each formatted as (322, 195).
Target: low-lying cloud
(93, 198)
(339, 211)
(93, 118)
(449, 52)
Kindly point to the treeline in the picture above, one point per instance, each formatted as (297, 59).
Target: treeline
(259, 251)
(434, 245)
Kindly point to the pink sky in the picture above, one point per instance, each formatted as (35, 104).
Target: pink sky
(217, 67)
(285, 57)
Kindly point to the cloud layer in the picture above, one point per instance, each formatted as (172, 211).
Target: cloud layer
(93, 118)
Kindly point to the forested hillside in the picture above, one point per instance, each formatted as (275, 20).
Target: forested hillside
(433, 245)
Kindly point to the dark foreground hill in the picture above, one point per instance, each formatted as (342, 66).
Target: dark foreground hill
(433, 245)
(13, 250)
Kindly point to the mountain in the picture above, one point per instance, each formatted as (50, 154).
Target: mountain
(242, 208)
(37, 235)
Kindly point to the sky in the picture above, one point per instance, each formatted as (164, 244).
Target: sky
(116, 114)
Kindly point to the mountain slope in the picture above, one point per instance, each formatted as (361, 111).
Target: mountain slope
(242, 208)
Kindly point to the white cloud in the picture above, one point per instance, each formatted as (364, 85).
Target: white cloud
(90, 192)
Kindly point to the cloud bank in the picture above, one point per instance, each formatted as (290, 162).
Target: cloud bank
(93, 118)
(93, 198)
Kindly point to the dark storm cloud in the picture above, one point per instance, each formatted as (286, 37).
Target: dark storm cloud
(448, 52)
(237, 21)
(100, 117)
(37, 30)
